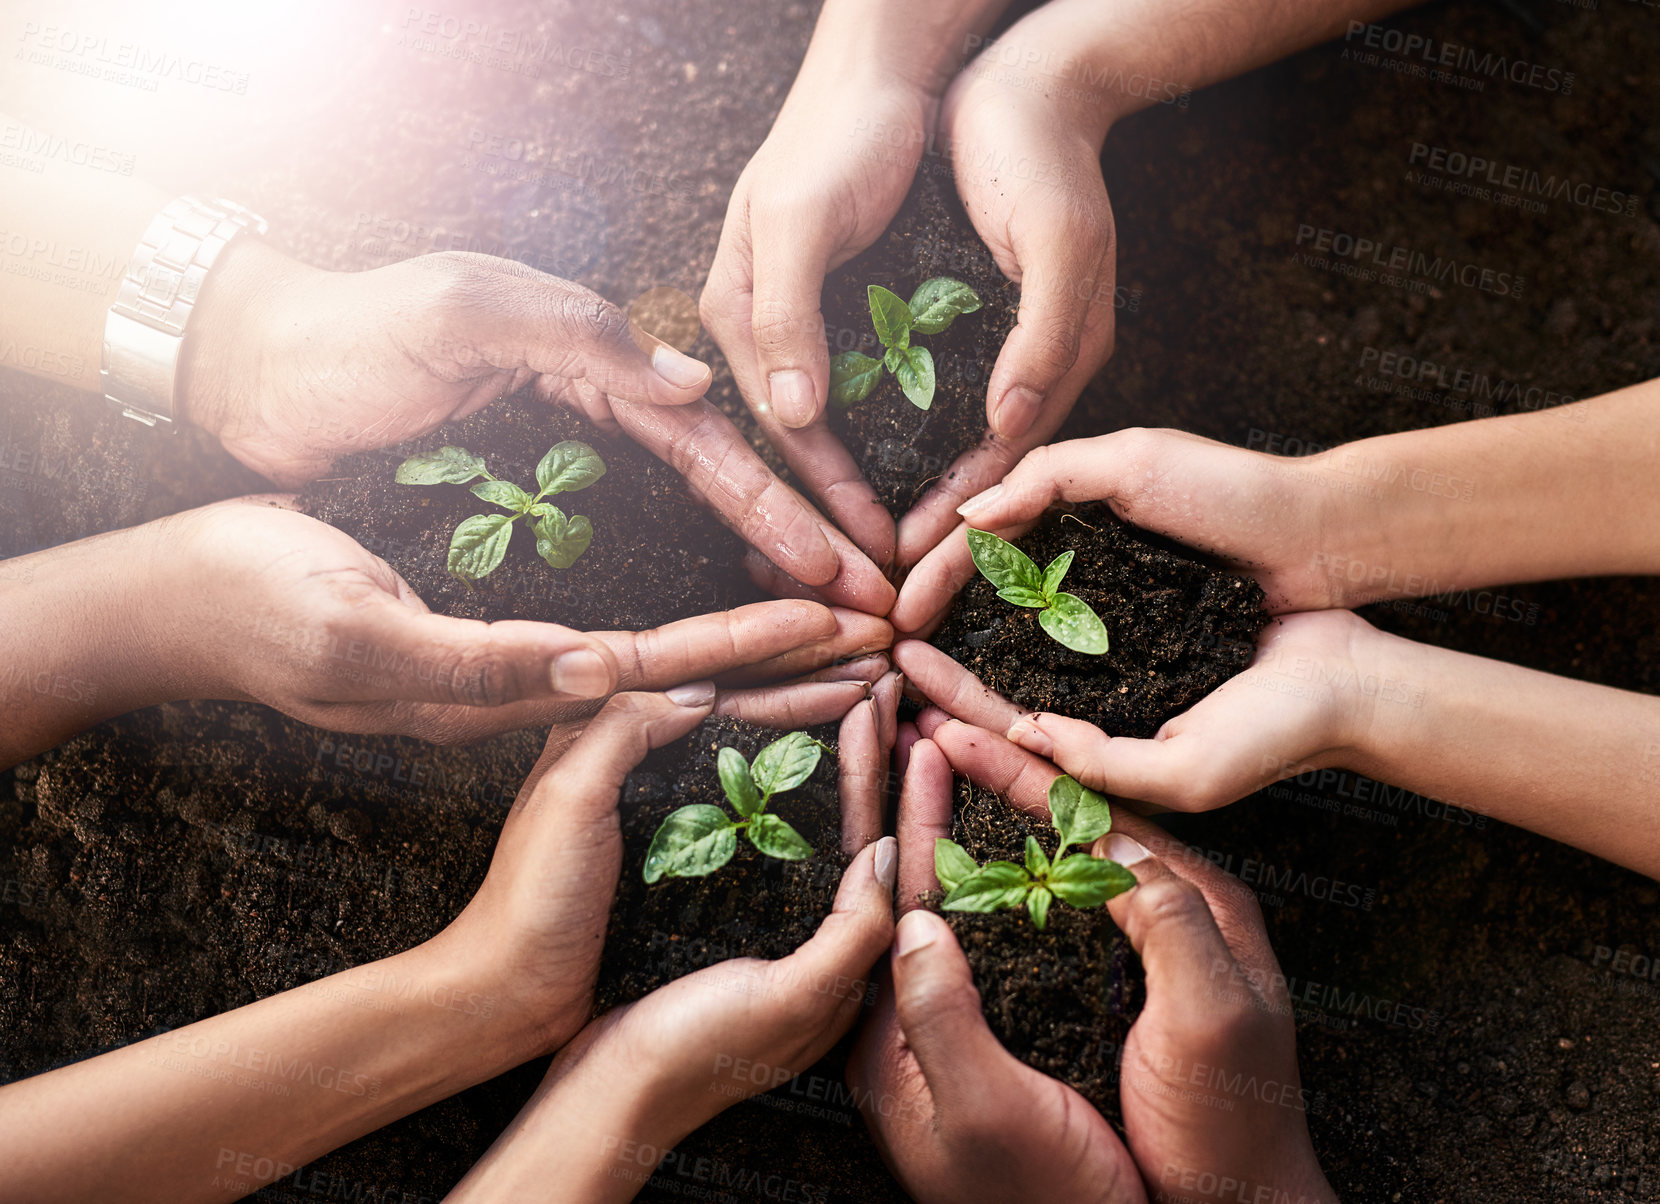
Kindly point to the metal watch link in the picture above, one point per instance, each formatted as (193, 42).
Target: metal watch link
(145, 327)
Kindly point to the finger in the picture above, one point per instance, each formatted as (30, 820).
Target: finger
(935, 516)
(906, 741)
(857, 635)
(1077, 470)
(1175, 769)
(939, 1011)
(864, 590)
(837, 961)
(792, 705)
(863, 668)
(790, 252)
(417, 656)
(863, 776)
(705, 645)
(988, 760)
(933, 584)
(948, 685)
(886, 694)
(924, 816)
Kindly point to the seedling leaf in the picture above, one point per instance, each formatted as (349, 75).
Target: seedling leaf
(1037, 904)
(560, 542)
(1085, 881)
(1070, 620)
(785, 764)
(952, 864)
(777, 839)
(893, 359)
(735, 780)
(937, 302)
(504, 494)
(1079, 814)
(852, 377)
(994, 887)
(1003, 564)
(478, 545)
(1021, 596)
(1036, 863)
(1056, 571)
(693, 842)
(446, 466)
(569, 466)
(916, 376)
(890, 316)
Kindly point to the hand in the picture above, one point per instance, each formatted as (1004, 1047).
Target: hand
(1208, 1079)
(956, 1116)
(823, 186)
(1270, 516)
(1305, 702)
(292, 367)
(1049, 224)
(282, 609)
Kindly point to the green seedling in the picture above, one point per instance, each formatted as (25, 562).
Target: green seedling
(697, 840)
(1080, 816)
(480, 542)
(934, 306)
(1066, 617)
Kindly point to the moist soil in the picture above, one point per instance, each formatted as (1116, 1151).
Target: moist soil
(754, 906)
(900, 448)
(656, 556)
(1177, 627)
(1061, 1000)
(1480, 1026)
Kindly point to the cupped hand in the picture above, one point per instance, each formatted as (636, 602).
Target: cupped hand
(1305, 702)
(1213, 1102)
(270, 605)
(1269, 516)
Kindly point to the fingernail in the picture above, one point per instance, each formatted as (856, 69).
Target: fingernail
(917, 930)
(792, 397)
(693, 694)
(581, 673)
(887, 862)
(1031, 737)
(1122, 849)
(1015, 414)
(680, 370)
(980, 500)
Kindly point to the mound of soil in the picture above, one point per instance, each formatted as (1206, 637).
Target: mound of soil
(657, 556)
(900, 448)
(1178, 627)
(754, 906)
(1061, 1000)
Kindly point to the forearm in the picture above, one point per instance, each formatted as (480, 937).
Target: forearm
(1576, 762)
(920, 43)
(217, 1109)
(1563, 492)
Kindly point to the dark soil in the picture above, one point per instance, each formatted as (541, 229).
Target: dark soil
(1178, 627)
(1061, 1000)
(656, 555)
(754, 906)
(900, 448)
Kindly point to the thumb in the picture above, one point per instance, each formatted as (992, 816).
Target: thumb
(939, 1012)
(1170, 772)
(793, 358)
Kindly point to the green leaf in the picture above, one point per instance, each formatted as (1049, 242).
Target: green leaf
(894, 359)
(916, 377)
(1070, 620)
(1021, 596)
(785, 764)
(1003, 564)
(478, 545)
(852, 377)
(446, 466)
(777, 839)
(1085, 881)
(693, 842)
(1037, 904)
(1054, 573)
(569, 466)
(735, 780)
(890, 316)
(1079, 814)
(952, 864)
(504, 494)
(996, 886)
(1036, 863)
(937, 302)
(560, 542)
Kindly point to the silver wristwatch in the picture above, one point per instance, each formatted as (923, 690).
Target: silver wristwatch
(145, 328)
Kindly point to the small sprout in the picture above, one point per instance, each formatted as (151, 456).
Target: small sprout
(934, 306)
(1066, 617)
(697, 840)
(480, 542)
(1080, 816)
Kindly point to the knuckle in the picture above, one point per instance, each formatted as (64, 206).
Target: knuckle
(591, 316)
(1166, 902)
(778, 329)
